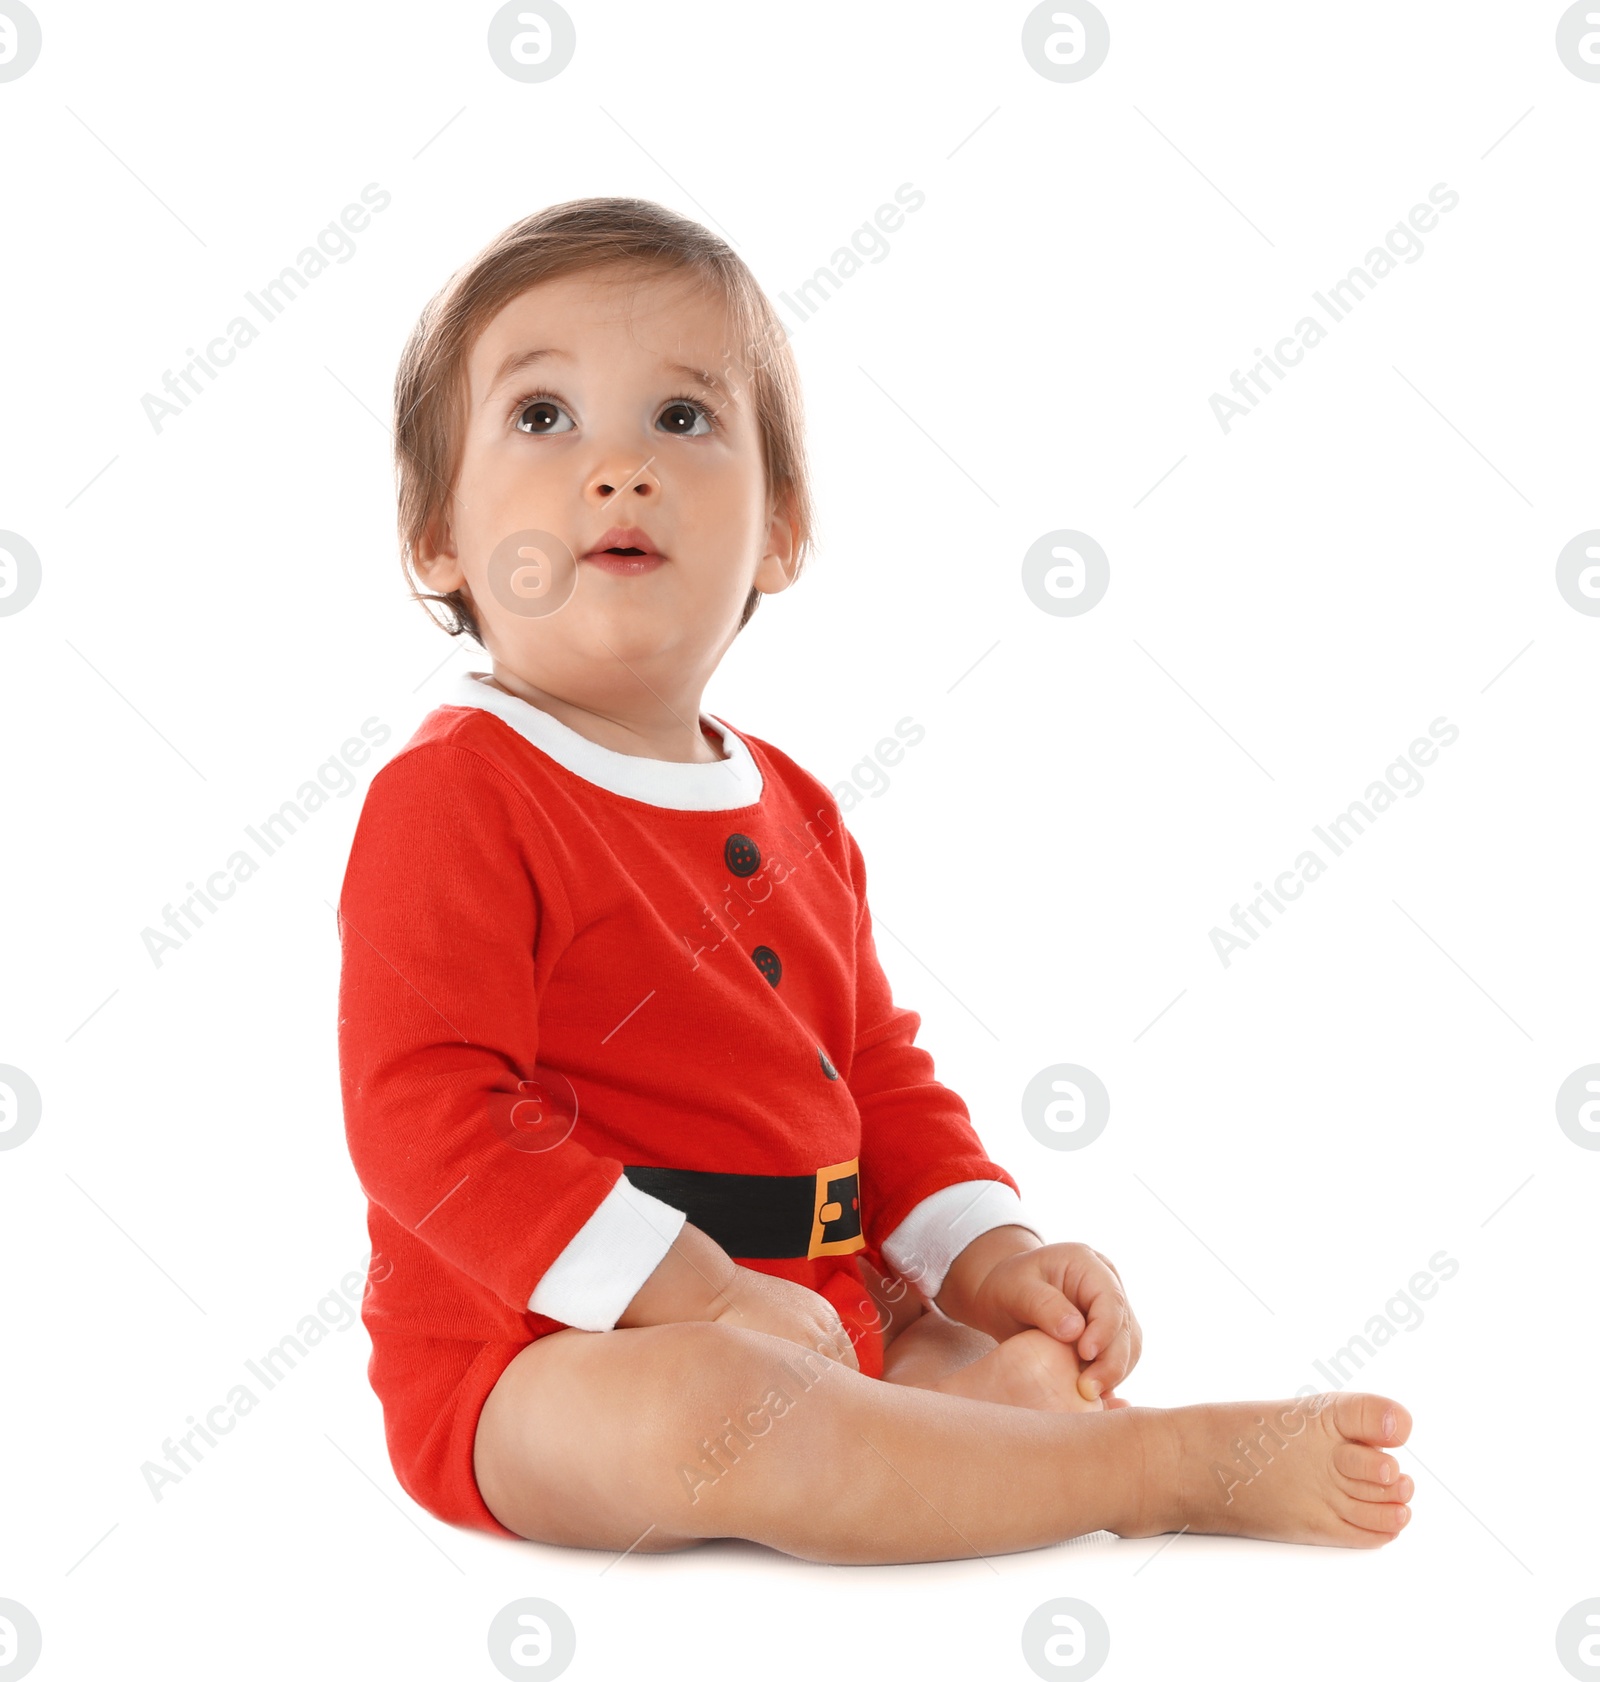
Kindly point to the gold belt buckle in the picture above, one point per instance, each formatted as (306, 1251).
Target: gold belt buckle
(838, 1205)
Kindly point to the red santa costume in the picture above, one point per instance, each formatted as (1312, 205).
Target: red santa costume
(586, 996)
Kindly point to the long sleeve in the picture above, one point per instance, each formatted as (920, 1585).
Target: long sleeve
(942, 1225)
(928, 1186)
(450, 918)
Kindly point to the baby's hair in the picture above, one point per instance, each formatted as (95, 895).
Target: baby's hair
(635, 238)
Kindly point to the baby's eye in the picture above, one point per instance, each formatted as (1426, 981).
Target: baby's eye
(682, 415)
(539, 416)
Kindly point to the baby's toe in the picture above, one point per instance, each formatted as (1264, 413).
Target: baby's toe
(1382, 1518)
(1365, 1463)
(1366, 1418)
(1402, 1489)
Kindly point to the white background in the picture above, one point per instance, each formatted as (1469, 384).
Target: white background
(1291, 604)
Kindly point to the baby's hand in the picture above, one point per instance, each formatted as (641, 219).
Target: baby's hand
(1073, 1293)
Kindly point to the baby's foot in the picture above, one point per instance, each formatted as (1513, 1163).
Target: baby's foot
(1308, 1470)
(1030, 1369)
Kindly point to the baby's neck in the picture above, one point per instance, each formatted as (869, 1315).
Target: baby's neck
(625, 736)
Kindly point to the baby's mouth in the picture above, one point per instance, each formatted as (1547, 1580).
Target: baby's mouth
(625, 560)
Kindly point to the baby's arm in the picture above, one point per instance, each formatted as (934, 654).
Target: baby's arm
(945, 1216)
(928, 1187)
(450, 914)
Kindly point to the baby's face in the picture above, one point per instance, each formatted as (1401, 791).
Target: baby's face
(612, 423)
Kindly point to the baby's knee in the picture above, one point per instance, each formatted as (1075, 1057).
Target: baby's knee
(719, 1365)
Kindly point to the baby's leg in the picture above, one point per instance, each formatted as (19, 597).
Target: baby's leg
(655, 1437)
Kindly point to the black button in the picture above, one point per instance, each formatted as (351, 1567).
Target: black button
(741, 855)
(769, 963)
(827, 1068)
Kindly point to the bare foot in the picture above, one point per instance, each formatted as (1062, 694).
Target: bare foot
(1308, 1470)
(1030, 1369)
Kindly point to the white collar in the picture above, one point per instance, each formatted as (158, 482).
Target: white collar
(721, 785)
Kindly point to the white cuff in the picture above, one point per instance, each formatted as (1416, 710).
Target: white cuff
(930, 1238)
(609, 1258)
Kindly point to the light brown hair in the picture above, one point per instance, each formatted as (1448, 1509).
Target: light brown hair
(627, 235)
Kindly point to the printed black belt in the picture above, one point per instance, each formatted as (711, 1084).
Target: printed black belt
(766, 1215)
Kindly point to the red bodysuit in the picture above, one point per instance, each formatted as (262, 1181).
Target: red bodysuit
(586, 996)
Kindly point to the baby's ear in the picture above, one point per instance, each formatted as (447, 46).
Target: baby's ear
(434, 556)
(777, 569)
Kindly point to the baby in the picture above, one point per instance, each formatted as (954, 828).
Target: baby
(674, 1233)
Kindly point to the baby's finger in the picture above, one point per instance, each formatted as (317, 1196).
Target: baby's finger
(1135, 1341)
(1108, 1317)
(1110, 1366)
(1041, 1304)
(1099, 1376)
